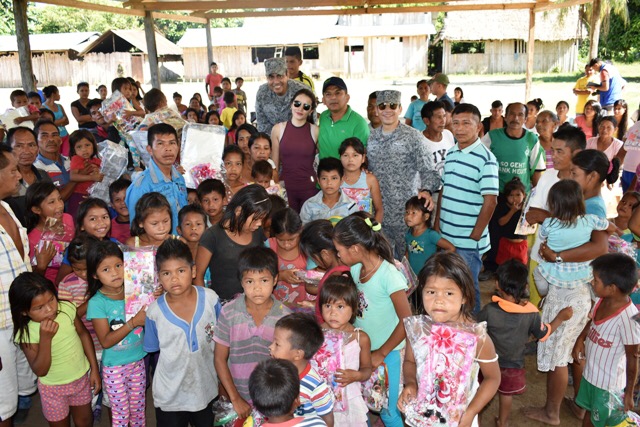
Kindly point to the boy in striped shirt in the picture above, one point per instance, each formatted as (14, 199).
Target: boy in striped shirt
(275, 390)
(297, 338)
(609, 343)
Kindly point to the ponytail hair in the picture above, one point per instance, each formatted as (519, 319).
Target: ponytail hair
(591, 160)
(362, 229)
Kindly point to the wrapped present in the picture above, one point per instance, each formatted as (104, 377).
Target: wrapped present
(375, 390)
(140, 279)
(445, 370)
(114, 158)
(362, 196)
(164, 115)
(137, 141)
(312, 277)
(11, 114)
(201, 152)
(203, 171)
(53, 233)
(113, 110)
(328, 359)
(277, 189)
(523, 227)
(405, 268)
(619, 245)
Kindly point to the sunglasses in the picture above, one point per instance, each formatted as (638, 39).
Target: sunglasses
(305, 107)
(383, 105)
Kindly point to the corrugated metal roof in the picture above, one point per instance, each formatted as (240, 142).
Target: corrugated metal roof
(271, 32)
(137, 39)
(50, 42)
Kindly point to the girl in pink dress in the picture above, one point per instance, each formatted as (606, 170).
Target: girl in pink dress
(339, 303)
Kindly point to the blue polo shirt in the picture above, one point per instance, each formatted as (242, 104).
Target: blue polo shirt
(469, 175)
(152, 179)
(57, 170)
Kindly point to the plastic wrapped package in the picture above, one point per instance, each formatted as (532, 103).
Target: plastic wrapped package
(201, 152)
(445, 370)
(11, 114)
(53, 233)
(114, 158)
(164, 115)
(375, 390)
(140, 279)
(328, 359)
(113, 110)
(138, 140)
(312, 277)
(405, 268)
(225, 416)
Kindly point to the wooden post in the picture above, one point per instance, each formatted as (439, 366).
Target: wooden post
(24, 48)
(209, 43)
(152, 50)
(530, 52)
(594, 31)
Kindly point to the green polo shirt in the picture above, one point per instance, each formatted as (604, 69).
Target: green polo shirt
(333, 133)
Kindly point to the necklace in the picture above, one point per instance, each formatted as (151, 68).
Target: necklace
(112, 293)
(366, 276)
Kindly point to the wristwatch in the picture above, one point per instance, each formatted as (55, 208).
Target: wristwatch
(558, 258)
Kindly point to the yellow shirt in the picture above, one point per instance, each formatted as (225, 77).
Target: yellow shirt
(581, 84)
(227, 116)
(68, 361)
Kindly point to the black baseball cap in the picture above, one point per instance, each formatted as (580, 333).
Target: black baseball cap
(334, 81)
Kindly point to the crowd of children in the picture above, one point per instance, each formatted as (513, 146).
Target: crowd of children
(251, 294)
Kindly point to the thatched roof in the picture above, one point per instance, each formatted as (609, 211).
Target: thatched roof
(512, 24)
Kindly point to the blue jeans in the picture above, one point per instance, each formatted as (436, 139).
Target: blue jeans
(625, 180)
(391, 416)
(474, 262)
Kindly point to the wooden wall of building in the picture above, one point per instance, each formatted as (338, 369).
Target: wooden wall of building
(382, 57)
(499, 57)
(94, 68)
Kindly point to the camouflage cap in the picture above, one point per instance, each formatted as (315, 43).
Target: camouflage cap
(275, 66)
(389, 96)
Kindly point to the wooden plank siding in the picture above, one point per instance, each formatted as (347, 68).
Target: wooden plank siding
(499, 57)
(382, 57)
(94, 68)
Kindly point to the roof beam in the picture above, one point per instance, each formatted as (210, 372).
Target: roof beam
(546, 6)
(119, 10)
(205, 5)
(361, 10)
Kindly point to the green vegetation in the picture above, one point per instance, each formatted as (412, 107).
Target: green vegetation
(59, 19)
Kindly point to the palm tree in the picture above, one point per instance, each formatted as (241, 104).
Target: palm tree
(597, 15)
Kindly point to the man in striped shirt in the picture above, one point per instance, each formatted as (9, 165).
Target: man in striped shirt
(15, 374)
(469, 192)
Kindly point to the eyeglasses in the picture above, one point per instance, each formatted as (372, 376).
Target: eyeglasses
(305, 107)
(383, 105)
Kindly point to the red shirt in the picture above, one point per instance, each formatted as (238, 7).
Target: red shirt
(120, 231)
(213, 80)
(77, 163)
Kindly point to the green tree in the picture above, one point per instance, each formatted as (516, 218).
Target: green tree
(59, 19)
(620, 42)
(598, 15)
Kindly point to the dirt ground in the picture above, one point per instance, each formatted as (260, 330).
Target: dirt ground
(535, 395)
